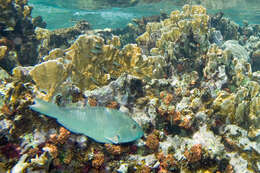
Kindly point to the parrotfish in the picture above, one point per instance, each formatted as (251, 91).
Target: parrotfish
(102, 124)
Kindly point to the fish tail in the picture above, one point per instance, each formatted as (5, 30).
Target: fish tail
(46, 108)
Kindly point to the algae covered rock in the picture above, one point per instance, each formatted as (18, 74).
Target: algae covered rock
(242, 107)
(17, 34)
(236, 50)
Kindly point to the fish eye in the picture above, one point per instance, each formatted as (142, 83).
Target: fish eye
(134, 126)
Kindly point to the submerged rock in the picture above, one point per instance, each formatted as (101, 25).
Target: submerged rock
(236, 50)
(17, 34)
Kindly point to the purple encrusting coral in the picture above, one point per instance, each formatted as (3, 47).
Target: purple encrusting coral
(190, 80)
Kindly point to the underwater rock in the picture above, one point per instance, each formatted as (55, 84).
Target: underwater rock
(252, 45)
(239, 163)
(3, 74)
(197, 104)
(21, 165)
(17, 33)
(210, 142)
(123, 168)
(256, 60)
(229, 29)
(119, 90)
(39, 22)
(217, 37)
(149, 160)
(5, 126)
(236, 50)
(239, 138)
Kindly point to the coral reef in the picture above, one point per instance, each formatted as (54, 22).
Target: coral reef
(60, 38)
(90, 63)
(191, 82)
(48, 76)
(17, 38)
(182, 38)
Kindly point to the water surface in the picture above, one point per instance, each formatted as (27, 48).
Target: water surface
(57, 16)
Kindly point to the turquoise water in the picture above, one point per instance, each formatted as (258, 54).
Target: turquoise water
(57, 16)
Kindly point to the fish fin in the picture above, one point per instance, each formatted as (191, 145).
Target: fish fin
(113, 140)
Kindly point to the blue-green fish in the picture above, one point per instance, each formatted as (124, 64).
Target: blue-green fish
(102, 124)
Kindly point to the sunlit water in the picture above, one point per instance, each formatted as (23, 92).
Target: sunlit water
(59, 17)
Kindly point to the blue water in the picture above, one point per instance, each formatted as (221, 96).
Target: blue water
(59, 17)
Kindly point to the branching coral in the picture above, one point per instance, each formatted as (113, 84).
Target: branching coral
(184, 34)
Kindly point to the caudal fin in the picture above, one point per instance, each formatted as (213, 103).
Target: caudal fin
(46, 108)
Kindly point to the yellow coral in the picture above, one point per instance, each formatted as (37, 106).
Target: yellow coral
(224, 104)
(254, 111)
(42, 33)
(54, 54)
(48, 76)
(96, 63)
(170, 30)
(3, 50)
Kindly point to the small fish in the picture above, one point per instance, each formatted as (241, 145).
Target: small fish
(99, 123)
